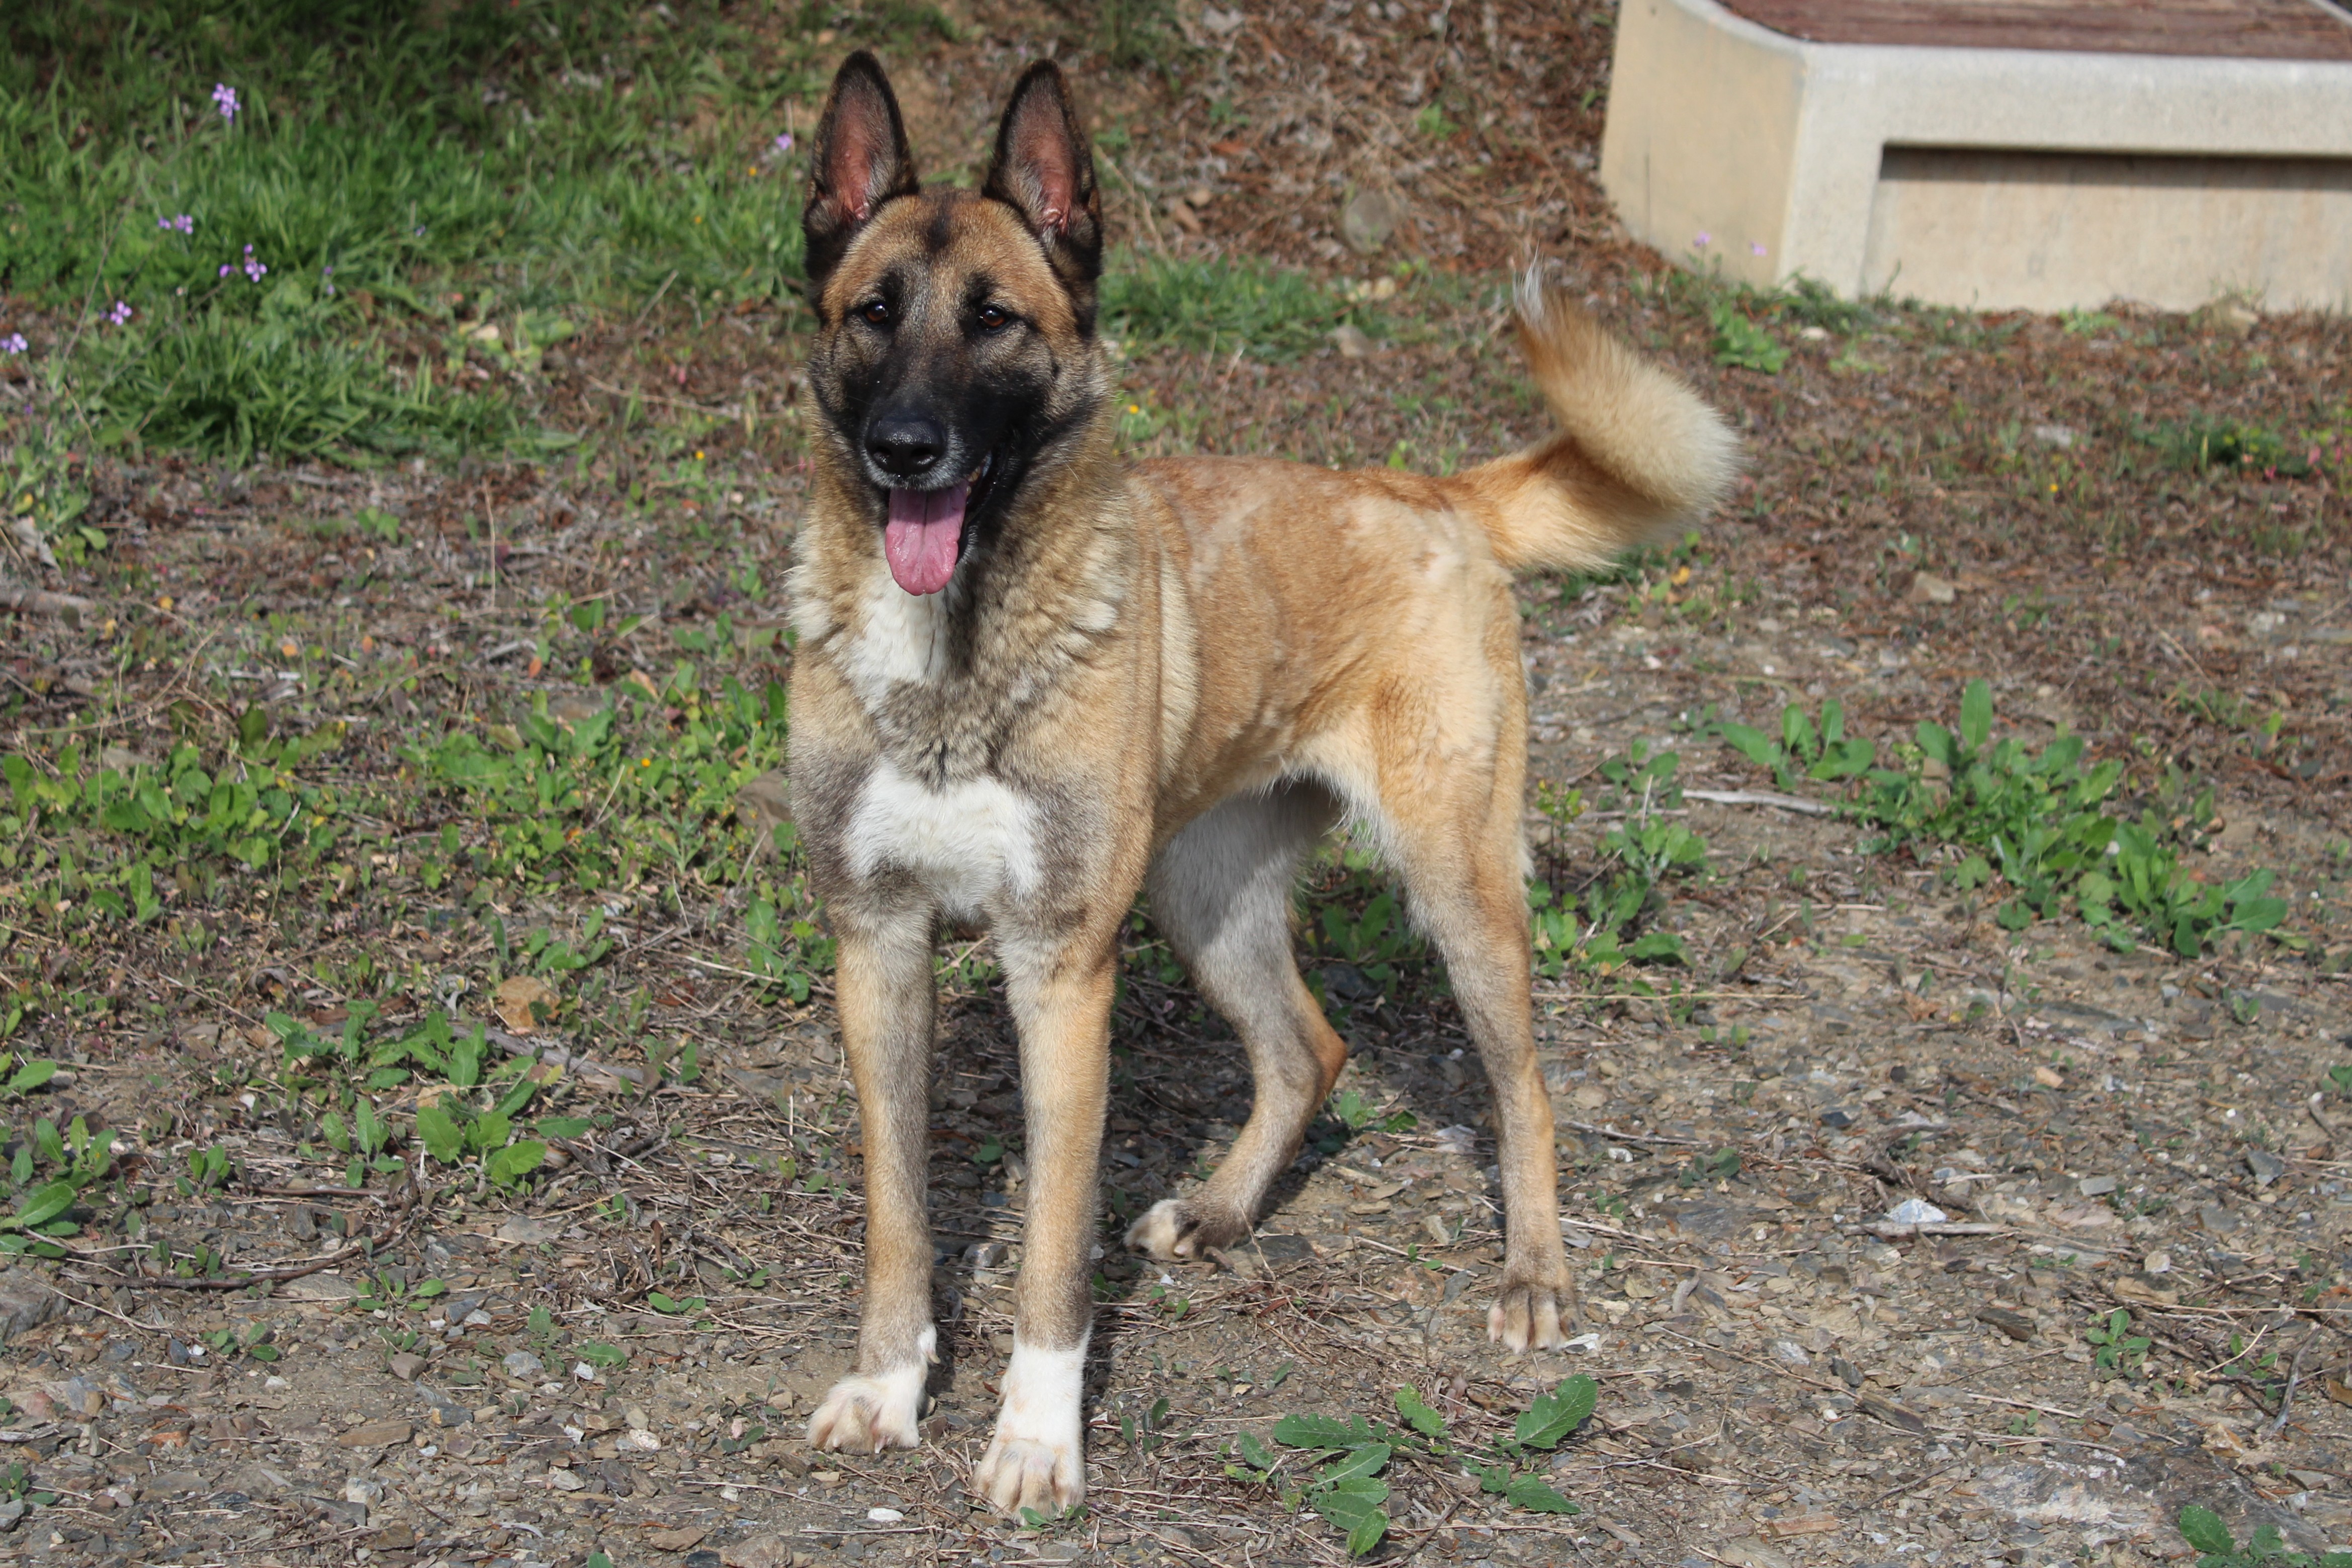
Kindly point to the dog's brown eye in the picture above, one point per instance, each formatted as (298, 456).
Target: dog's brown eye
(874, 313)
(994, 318)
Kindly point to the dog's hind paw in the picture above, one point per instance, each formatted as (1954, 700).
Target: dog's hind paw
(1530, 1315)
(1178, 1227)
(866, 1415)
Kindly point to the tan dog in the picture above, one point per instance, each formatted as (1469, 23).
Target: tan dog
(1032, 681)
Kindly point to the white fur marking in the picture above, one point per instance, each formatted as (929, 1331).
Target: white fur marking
(1038, 1451)
(966, 843)
(901, 637)
(877, 1412)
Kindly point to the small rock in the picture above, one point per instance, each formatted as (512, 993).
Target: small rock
(759, 1552)
(1916, 1211)
(405, 1365)
(1790, 1351)
(396, 1537)
(2266, 1166)
(677, 1539)
(317, 1288)
(2096, 1186)
(26, 1301)
(376, 1435)
(519, 1230)
(2016, 1325)
(1351, 343)
(523, 1366)
(2217, 1219)
(1368, 218)
(884, 1516)
(2157, 1263)
(2062, 436)
(10, 1512)
(34, 1407)
(1847, 1372)
(1928, 588)
(1749, 1552)
(362, 1490)
(564, 1481)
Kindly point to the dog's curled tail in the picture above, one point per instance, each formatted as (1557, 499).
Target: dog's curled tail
(1637, 452)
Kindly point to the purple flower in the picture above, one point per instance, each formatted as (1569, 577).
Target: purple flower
(783, 141)
(182, 224)
(329, 278)
(226, 97)
(253, 268)
(1755, 248)
(120, 314)
(1703, 241)
(14, 344)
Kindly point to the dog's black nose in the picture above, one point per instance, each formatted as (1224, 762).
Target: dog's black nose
(905, 446)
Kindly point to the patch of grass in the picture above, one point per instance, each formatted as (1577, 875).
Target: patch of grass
(1740, 343)
(1230, 305)
(262, 280)
(2231, 446)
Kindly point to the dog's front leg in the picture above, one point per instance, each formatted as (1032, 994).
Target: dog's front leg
(1061, 998)
(883, 978)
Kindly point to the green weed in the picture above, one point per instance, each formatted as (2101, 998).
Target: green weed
(2034, 819)
(1350, 1456)
(2216, 1548)
(1232, 305)
(1598, 934)
(47, 1173)
(2114, 1348)
(1740, 343)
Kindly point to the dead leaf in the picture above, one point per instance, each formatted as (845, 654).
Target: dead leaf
(524, 1001)
(2339, 1391)
(676, 1540)
(1803, 1524)
(2047, 1075)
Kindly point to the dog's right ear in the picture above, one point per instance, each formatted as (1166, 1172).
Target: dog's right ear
(860, 161)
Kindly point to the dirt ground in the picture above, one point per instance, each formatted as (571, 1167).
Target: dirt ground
(1787, 1378)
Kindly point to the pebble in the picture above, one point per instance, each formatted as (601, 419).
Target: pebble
(523, 1366)
(2266, 1166)
(884, 1516)
(405, 1365)
(2096, 1186)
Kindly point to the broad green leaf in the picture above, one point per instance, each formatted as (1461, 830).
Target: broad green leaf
(1348, 1506)
(563, 1126)
(2203, 1529)
(596, 1352)
(42, 1205)
(1751, 743)
(441, 1136)
(1367, 1533)
(1554, 1415)
(1417, 1415)
(1532, 1493)
(1366, 1461)
(1322, 1432)
(1976, 715)
(31, 1076)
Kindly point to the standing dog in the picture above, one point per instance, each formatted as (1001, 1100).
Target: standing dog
(1033, 680)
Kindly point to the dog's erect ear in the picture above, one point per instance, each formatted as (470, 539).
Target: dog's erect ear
(1043, 169)
(859, 161)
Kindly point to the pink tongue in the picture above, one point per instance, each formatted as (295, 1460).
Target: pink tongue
(923, 536)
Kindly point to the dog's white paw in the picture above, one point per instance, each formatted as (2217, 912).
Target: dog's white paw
(867, 1413)
(1184, 1227)
(1157, 1234)
(1528, 1316)
(1038, 1458)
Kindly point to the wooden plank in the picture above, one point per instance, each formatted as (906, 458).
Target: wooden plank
(2260, 30)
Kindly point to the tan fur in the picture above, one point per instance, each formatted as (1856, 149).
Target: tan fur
(1181, 673)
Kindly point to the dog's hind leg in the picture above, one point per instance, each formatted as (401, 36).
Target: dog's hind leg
(1456, 843)
(1220, 892)
(887, 999)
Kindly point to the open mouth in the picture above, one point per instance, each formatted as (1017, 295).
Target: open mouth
(923, 538)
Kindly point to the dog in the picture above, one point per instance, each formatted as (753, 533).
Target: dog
(1032, 681)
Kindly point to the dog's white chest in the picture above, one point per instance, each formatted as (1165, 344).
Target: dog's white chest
(970, 842)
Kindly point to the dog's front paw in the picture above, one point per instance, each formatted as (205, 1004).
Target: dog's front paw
(1038, 1458)
(1182, 1227)
(1530, 1314)
(866, 1415)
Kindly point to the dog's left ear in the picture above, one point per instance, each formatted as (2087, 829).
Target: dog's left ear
(1043, 170)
